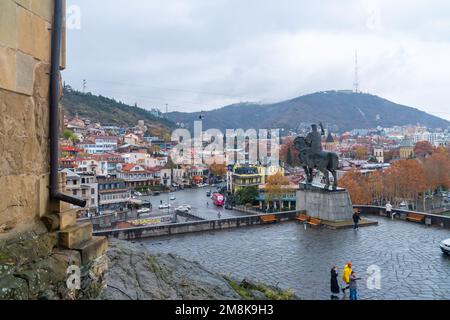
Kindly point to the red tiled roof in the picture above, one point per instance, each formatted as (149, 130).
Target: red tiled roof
(70, 148)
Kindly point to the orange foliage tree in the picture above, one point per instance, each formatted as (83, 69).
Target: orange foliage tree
(218, 170)
(277, 185)
(423, 149)
(357, 186)
(404, 180)
(288, 153)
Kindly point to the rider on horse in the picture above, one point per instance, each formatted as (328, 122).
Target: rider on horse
(314, 140)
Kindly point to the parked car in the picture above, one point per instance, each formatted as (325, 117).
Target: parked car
(445, 246)
(404, 206)
(144, 210)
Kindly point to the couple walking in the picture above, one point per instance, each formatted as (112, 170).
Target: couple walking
(349, 278)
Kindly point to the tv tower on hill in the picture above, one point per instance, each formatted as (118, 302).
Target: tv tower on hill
(356, 83)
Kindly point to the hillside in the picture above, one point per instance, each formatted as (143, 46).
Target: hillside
(342, 110)
(108, 111)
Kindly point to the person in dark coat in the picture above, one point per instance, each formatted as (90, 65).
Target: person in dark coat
(356, 220)
(335, 289)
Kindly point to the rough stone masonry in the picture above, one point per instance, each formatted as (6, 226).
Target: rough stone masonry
(40, 241)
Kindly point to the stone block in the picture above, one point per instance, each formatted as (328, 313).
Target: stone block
(325, 205)
(68, 219)
(51, 222)
(24, 3)
(8, 68)
(43, 8)
(59, 206)
(92, 249)
(25, 73)
(74, 236)
(8, 34)
(69, 257)
(43, 195)
(33, 35)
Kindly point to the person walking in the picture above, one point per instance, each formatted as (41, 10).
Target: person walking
(353, 286)
(335, 289)
(356, 220)
(388, 209)
(346, 276)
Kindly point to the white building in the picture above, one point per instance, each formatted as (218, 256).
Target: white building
(100, 145)
(83, 186)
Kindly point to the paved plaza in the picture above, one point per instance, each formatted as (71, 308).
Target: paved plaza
(412, 265)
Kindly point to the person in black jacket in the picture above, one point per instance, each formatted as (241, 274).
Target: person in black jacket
(335, 289)
(356, 219)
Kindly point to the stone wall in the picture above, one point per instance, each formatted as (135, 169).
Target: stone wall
(39, 238)
(25, 48)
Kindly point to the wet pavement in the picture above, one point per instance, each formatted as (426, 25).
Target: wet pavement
(408, 255)
(202, 206)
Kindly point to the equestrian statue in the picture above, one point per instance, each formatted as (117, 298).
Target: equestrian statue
(312, 156)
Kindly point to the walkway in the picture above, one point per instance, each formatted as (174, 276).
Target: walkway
(408, 254)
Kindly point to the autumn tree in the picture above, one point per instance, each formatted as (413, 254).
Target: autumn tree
(423, 149)
(218, 170)
(288, 153)
(375, 184)
(361, 153)
(356, 184)
(437, 172)
(289, 157)
(404, 180)
(277, 185)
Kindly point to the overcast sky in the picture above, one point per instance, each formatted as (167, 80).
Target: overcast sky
(202, 54)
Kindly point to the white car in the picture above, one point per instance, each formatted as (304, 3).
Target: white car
(144, 210)
(445, 246)
(165, 206)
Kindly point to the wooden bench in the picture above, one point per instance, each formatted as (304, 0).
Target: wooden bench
(415, 217)
(314, 222)
(269, 218)
(302, 218)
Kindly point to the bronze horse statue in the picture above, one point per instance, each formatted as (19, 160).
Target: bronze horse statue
(325, 162)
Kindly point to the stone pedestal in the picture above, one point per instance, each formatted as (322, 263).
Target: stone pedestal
(326, 205)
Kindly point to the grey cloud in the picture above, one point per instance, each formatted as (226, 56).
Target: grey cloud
(198, 55)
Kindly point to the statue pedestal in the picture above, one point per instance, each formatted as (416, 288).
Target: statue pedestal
(327, 205)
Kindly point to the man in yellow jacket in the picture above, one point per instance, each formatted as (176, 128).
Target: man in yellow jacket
(346, 275)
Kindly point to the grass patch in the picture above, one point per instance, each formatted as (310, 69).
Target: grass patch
(156, 268)
(256, 291)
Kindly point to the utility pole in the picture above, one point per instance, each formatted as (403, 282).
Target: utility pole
(356, 83)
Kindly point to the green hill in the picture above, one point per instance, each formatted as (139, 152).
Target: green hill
(342, 110)
(108, 111)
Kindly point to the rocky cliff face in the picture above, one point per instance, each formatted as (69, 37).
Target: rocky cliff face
(31, 267)
(137, 275)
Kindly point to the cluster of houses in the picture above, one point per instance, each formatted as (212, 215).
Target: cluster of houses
(105, 164)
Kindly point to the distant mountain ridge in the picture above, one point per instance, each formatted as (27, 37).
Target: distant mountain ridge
(343, 110)
(108, 111)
